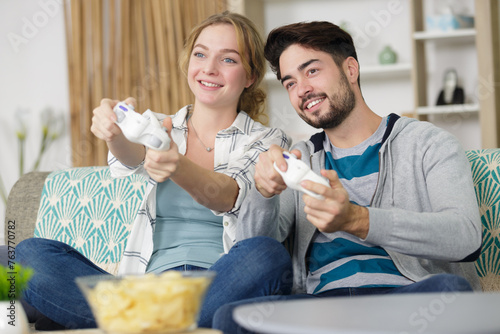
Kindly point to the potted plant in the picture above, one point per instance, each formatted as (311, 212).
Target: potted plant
(13, 281)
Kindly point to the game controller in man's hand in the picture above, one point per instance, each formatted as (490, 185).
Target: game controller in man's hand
(297, 172)
(142, 129)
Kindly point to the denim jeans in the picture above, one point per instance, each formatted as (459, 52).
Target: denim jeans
(223, 319)
(252, 268)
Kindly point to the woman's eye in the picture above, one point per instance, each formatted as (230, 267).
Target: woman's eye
(198, 54)
(229, 60)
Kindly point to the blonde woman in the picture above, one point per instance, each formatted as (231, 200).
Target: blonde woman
(196, 187)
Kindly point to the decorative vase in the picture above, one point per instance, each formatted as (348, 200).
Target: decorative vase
(387, 56)
(13, 319)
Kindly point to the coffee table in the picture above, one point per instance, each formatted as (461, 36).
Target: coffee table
(457, 313)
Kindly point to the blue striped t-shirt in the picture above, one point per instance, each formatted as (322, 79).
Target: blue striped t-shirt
(341, 260)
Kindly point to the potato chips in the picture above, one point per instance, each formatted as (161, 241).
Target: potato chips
(163, 303)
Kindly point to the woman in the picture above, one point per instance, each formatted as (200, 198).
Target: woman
(196, 187)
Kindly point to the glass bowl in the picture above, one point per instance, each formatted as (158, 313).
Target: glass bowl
(169, 302)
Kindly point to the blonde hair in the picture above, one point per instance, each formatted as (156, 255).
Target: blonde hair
(250, 46)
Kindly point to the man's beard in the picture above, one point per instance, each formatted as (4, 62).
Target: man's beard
(341, 105)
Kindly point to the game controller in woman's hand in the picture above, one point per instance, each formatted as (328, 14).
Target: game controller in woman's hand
(142, 129)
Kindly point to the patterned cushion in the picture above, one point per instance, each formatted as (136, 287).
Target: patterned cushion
(485, 166)
(88, 209)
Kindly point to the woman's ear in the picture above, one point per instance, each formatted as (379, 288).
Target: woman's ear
(250, 81)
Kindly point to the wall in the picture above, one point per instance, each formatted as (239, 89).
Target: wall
(33, 78)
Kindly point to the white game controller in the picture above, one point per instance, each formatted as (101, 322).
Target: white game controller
(298, 171)
(142, 129)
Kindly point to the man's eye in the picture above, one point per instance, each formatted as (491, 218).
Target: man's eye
(289, 85)
(312, 71)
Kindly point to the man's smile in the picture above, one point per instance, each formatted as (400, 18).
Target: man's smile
(310, 103)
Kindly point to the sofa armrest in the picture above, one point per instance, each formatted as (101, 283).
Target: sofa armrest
(22, 207)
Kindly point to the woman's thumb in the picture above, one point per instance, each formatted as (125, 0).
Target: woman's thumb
(167, 124)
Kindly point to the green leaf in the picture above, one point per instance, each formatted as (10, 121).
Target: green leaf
(13, 281)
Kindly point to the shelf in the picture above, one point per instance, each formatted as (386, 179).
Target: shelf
(437, 35)
(384, 70)
(448, 109)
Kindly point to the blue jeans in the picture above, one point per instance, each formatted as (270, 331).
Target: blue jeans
(223, 319)
(253, 268)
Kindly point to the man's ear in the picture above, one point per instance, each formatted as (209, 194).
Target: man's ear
(351, 69)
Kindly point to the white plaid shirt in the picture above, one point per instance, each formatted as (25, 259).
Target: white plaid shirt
(236, 151)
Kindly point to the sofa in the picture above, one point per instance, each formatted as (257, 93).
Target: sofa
(89, 210)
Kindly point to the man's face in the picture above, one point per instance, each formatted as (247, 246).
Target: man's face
(318, 90)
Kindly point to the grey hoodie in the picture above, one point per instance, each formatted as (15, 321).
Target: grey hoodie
(424, 211)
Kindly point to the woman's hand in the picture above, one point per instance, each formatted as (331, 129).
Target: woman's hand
(161, 165)
(104, 127)
(103, 122)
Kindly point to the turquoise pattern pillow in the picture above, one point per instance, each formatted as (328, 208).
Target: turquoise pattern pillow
(91, 211)
(485, 166)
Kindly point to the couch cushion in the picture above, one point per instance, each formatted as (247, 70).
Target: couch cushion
(88, 209)
(485, 166)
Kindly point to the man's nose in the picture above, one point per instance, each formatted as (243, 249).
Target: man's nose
(304, 88)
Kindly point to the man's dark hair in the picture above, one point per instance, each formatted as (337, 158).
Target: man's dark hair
(318, 35)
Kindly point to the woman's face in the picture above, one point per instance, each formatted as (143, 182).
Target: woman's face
(215, 74)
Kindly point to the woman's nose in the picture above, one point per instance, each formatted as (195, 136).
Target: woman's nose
(210, 66)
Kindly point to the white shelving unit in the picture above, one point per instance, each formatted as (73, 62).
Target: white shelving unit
(427, 44)
(437, 35)
(377, 71)
(449, 109)
(435, 52)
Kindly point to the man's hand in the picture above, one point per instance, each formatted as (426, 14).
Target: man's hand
(161, 165)
(335, 212)
(267, 180)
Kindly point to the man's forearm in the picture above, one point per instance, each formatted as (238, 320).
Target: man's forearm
(259, 216)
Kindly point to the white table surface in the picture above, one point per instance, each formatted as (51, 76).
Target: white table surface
(453, 313)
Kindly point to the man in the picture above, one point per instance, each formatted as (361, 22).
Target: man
(400, 214)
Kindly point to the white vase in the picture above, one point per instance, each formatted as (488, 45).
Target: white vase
(13, 319)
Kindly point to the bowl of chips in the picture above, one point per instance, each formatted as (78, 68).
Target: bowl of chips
(169, 302)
